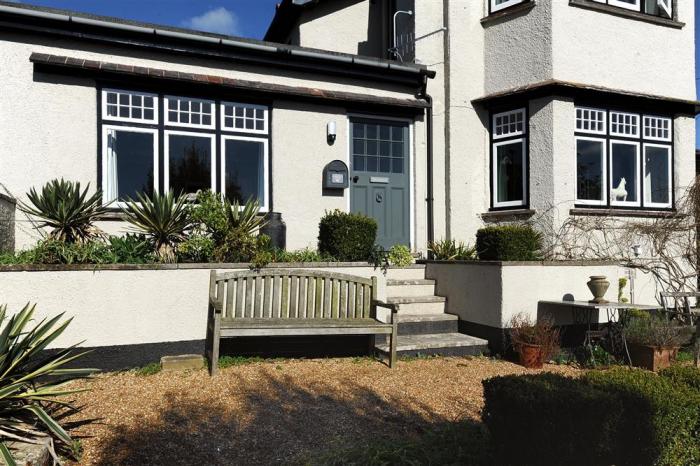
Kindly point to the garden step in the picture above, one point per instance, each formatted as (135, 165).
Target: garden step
(419, 304)
(410, 287)
(413, 272)
(422, 324)
(445, 344)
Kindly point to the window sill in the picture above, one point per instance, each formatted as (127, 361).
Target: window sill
(614, 10)
(500, 214)
(519, 9)
(582, 211)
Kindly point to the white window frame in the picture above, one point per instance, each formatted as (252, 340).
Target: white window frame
(105, 146)
(638, 202)
(222, 117)
(604, 180)
(494, 170)
(657, 117)
(166, 155)
(521, 111)
(264, 206)
(589, 131)
(166, 109)
(667, 6)
(503, 6)
(106, 116)
(638, 126)
(661, 205)
(637, 6)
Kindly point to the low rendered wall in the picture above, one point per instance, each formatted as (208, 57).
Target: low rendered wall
(7, 223)
(135, 312)
(486, 295)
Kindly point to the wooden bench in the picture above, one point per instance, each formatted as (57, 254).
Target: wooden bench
(288, 302)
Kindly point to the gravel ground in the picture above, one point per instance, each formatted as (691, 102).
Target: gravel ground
(275, 412)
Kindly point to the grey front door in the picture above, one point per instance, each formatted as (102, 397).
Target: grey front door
(379, 178)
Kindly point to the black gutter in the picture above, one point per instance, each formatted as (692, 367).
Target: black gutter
(429, 165)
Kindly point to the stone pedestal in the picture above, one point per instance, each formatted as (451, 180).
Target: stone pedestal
(7, 223)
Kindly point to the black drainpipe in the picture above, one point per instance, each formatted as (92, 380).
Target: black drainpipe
(429, 170)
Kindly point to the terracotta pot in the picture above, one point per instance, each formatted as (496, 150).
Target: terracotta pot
(598, 285)
(653, 358)
(530, 355)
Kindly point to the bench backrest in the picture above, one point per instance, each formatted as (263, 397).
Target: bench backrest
(292, 294)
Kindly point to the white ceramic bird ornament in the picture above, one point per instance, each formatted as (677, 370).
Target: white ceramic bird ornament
(620, 193)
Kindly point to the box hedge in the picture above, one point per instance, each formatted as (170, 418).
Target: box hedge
(346, 236)
(508, 243)
(620, 416)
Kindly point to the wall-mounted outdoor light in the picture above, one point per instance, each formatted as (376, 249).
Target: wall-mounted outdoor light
(331, 132)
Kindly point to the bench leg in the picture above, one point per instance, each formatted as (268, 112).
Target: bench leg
(392, 346)
(213, 340)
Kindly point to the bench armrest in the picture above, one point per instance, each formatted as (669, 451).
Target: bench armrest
(218, 308)
(393, 307)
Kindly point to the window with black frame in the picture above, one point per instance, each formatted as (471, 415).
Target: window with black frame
(623, 159)
(194, 134)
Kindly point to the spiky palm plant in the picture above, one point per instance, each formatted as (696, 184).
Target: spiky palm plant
(32, 383)
(66, 209)
(246, 219)
(163, 218)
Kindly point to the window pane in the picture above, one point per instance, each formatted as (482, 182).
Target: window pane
(509, 172)
(244, 176)
(190, 163)
(589, 170)
(623, 183)
(656, 171)
(130, 163)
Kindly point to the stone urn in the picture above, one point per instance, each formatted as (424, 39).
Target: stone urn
(598, 284)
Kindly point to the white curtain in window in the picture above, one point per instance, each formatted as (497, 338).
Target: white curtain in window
(111, 182)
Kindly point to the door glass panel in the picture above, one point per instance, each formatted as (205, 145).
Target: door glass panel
(190, 163)
(244, 176)
(656, 173)
(589, 170)
(509, 166)
(379, 148)
(623, 185)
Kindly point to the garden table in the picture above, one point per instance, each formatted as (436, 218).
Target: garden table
(617, 314)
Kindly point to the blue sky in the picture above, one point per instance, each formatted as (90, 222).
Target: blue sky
(246, 18)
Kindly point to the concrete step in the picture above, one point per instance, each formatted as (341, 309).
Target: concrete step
(412, 272)
(414, 287)
(445, 344)
(423, 324)
(419, 304)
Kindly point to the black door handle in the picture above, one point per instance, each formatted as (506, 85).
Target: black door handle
(355, 179)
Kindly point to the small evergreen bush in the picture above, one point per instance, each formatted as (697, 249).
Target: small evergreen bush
(400, 256)
(508, 243)
(347, 237)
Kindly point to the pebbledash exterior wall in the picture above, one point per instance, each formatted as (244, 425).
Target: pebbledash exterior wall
(618, 58)
(50, 128)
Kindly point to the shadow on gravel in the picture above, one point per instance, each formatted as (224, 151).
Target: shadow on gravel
(280, 423)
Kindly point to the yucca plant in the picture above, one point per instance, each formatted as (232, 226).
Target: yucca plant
(66, 209)
(31, 383)
(451, 250)
(245, 218)
(164, 218)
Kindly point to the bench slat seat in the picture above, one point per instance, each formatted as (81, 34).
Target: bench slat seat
(288, 302)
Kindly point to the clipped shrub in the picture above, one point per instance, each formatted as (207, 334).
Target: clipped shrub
(451, 250)
(508, 243)
(683, 375)
(346, 236)
(619, 416)
(400, 256)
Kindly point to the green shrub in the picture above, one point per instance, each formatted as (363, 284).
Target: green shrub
(508, 243)
(347, 236)
(196, 248)
(68, 211)
(619, 416)
(451, 250)
(684, 375)
(301, 255)
(400, 256)
(131, 249)
(53, 251)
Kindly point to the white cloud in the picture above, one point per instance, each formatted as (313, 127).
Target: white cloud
(219, 20)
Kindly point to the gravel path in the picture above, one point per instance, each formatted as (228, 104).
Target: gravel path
(275, 412)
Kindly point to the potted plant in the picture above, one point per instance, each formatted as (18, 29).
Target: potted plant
(534, 341)
(653, 342)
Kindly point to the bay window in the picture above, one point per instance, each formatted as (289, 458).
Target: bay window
(626, 163)
(662, 8)
(509, 159)
(152, 142)
(498, 5)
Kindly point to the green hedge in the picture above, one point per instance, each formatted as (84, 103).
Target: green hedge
(620, 416)
(508, 243)
(347, 237)
(684, 375)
